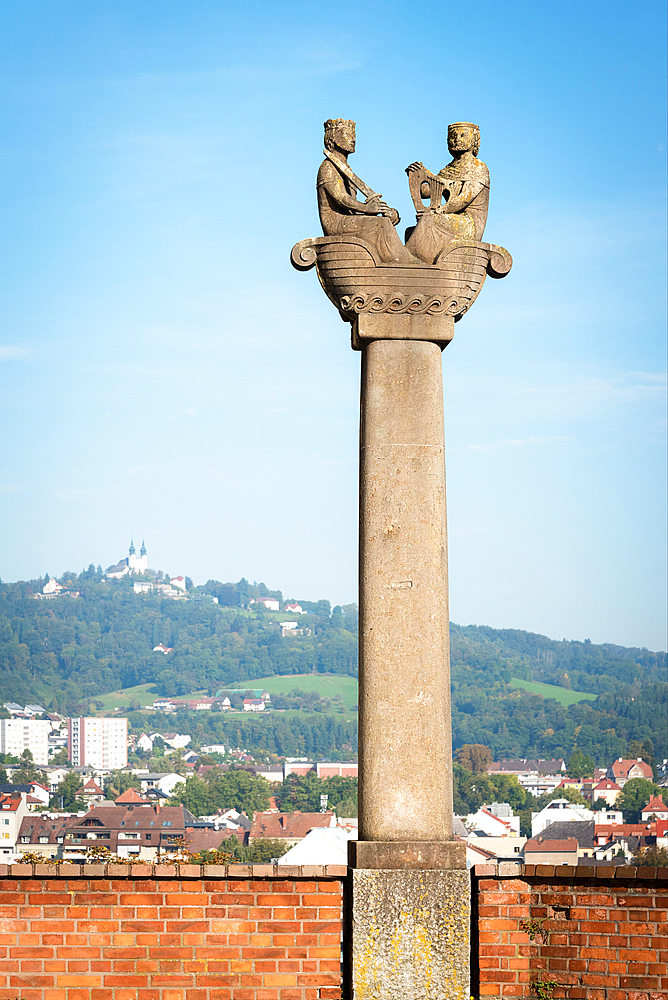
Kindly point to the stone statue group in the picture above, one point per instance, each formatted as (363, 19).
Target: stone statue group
(450, 206)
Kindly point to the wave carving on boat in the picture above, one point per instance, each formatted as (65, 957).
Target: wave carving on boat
(356, 281)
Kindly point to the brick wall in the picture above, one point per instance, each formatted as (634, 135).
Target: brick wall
(191, 932)
(595, 933)
(142, 932)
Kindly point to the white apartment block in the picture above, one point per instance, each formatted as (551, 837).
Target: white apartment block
(99, 743)
(17, 735)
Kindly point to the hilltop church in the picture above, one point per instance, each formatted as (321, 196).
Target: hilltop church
(133, 564)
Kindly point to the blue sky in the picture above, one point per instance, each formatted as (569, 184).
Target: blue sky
(165, 373)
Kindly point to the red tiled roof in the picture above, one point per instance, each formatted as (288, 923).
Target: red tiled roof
(287, 826)
(621, 768)
(129, 797)
(544, 846)
(655, 804)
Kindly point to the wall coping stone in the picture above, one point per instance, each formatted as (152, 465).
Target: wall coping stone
(501, 870)
(509, 869)
(171, 870)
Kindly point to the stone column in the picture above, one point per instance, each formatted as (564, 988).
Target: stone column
(409, 905)
(404, 701)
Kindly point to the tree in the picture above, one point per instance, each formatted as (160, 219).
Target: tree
(60, 758)
(652, 857)
(118, 782)
(580, 765)
(633, 798)
(475, 757)
(261, 851)
(65, 795)
(28, 771)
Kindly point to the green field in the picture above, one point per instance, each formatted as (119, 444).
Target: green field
(562, 695)
(326, 685)
(144, 694)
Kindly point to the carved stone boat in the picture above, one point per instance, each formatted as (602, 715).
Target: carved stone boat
(356, 281)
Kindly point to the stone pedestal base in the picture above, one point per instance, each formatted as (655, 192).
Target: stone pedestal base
(409, 934)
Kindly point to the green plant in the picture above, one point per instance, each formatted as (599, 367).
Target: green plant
(544, 988)
(535, 928)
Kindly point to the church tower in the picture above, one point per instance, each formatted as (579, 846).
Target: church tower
(137, 563)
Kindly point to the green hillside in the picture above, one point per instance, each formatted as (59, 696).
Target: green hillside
(521, 694)
(324, 685)
(562, 695)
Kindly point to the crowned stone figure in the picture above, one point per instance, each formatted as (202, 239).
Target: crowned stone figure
(463, 183)
(340, 211)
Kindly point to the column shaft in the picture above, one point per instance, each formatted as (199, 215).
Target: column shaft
(405, 750)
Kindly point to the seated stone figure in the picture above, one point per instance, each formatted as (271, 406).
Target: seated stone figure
(464, 183)
(340, 211)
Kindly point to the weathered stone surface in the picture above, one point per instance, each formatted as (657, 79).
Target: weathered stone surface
(408, 854)
(410, 935)
(362, 264)
(405, 785)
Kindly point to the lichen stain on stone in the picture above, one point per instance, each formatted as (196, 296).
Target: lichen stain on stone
(411, 932)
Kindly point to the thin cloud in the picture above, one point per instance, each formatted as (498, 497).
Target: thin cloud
(10, 352)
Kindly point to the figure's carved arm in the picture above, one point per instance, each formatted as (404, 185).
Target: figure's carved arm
(336, 189)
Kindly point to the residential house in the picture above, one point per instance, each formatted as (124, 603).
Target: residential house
(178, 581)
(288, 827)
(539, 851)
(174, 740)
(607, 817)
(253, 705)
(496, 820)
(214, 748)
(580, 830)
(13, 708)
(655, 809)
(43, 834)
(161, 648)
(294, 608)
(622, 770)
(558, 811)
(144, 742)
(270, 603)
(143, 832)
(605, 789)
(163, 781)
(91, 793)
(164, 704)
(201, 704)
(13, 809)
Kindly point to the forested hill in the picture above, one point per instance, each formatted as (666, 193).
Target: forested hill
(66, 651)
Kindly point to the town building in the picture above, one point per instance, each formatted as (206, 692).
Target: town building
(558, 811)
(655, 809)
(13, 808)
(270, 603)
(144, 831)
(17, 735)
(605, 789)
(288, 827)
(539, 851)
(98, 743)
(42, 834)
(622, 770)
(164, 781)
